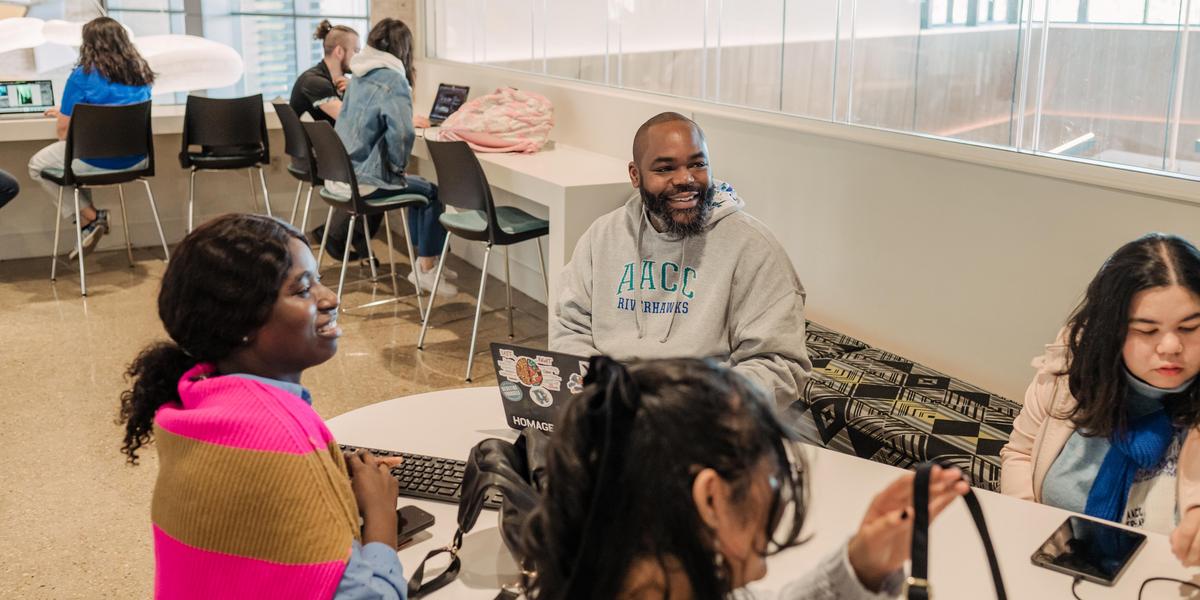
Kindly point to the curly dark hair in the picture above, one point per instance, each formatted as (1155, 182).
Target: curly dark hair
(106, 49)
(394, 37)
(220, 286)
(620, 470)
(1097, 329)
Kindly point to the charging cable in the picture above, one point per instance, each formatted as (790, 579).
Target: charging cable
(1141, 590)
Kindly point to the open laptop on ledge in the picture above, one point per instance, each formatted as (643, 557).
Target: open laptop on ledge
(25, 99)
(449, 99)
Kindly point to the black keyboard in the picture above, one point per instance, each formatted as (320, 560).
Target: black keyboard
(429, 477)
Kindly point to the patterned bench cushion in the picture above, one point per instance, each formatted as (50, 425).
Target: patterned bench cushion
(883, 407)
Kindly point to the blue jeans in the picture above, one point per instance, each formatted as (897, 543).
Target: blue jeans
(426, 233)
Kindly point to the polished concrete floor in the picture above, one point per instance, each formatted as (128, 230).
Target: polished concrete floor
(74, 517)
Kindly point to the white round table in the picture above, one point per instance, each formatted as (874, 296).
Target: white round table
(449, 423)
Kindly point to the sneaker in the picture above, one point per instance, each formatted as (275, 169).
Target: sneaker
(448, 274)
(91, 234)
(445, 288)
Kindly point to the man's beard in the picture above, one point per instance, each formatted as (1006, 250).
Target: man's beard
(694, 220)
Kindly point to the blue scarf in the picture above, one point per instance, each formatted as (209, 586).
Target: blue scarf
(1142, 447)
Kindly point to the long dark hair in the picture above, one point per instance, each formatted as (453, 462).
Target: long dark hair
(620, 469)
(394, 37)
(220, 286)
(331, 35)
(106, 49)
(1097, 329)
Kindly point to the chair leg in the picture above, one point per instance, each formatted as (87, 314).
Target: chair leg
(296, 202)
(57, 227)
(79, 247)
(387, 227)
(542, 264)
(508, 284)
(191, 199)
(253, 194)
(478, 310)
(345, 256)
(304, 219)
(437, 278)
(125, 225)
(157, 222)
(370, 252)
(324, 235)
(262, 178)
(412, 259)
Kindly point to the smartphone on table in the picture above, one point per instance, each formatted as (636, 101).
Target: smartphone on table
(1092, 550)
(410, 521)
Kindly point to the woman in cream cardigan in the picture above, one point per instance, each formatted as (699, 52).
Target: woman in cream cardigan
(1108, 428)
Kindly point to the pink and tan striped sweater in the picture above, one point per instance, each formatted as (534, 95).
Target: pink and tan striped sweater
(252, 498)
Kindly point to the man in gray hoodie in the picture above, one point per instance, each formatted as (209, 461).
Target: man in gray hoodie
(681, 270)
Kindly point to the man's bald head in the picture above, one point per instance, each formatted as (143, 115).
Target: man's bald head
(642, 137)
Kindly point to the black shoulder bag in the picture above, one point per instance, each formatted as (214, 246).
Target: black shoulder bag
(918, 581)
(517, 472)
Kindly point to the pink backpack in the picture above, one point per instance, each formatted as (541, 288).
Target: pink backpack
(507, 120)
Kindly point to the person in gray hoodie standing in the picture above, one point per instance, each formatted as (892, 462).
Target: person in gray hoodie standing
(682, 271)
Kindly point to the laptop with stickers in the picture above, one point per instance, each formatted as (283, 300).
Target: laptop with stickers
(535, 384)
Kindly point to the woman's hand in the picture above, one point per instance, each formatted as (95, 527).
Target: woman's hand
(420, 122)
(1185, 540)
(375, 490)
(884, 538)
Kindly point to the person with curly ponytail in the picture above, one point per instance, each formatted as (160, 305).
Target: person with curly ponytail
(253, 497)
(110, 71)
(675, 479)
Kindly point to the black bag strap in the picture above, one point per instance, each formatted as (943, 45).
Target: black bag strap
(418, 588)
(918, 580)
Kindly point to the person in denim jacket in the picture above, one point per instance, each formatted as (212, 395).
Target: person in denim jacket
(376, 125)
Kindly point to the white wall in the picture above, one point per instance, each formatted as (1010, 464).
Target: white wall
(967, 259)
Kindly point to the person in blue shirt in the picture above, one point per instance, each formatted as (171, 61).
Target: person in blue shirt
(110, 72)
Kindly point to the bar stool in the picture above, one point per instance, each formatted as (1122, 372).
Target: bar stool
(330, 162)
(232, 135)
(295, 145)
(463, 185)
(105, 132)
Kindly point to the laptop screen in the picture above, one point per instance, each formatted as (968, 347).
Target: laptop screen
(18, 97)
(449, 99)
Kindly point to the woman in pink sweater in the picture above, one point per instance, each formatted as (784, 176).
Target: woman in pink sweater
(1109, 425)
(253, 498)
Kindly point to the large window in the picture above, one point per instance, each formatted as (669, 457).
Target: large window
(274, 37)
(1111, 81)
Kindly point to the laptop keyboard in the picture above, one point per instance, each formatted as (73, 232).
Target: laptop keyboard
(429, 477)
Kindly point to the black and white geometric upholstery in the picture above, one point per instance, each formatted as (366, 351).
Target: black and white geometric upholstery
(877, 405)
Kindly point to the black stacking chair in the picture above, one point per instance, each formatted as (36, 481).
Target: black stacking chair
(295, 143)
(462, 184)
(330, 162)
(231, 135)
(98, 132)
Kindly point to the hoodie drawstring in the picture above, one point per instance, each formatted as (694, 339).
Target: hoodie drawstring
(675, 296)
(637, 294)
